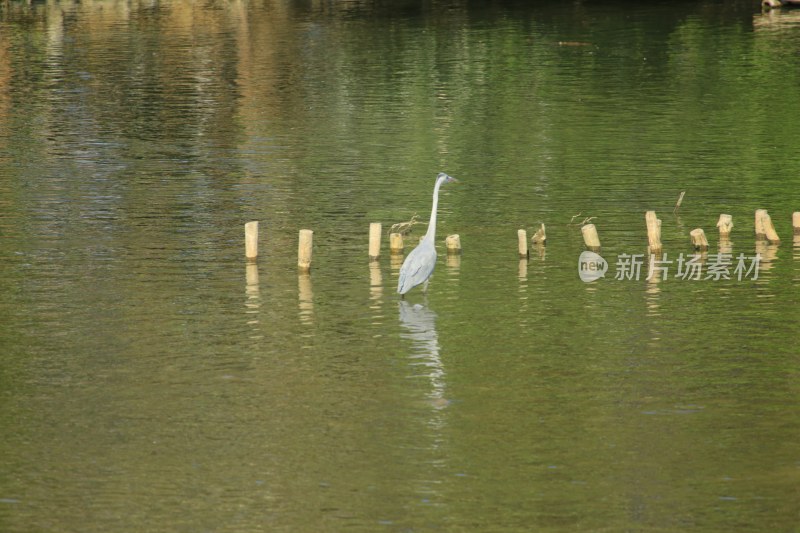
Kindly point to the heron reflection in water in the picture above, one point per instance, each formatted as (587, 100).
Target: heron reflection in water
(420, 325)
(418, 266)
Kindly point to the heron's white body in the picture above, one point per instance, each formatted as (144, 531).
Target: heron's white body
(418, 265)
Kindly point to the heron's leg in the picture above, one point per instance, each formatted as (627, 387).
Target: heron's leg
(425, 287)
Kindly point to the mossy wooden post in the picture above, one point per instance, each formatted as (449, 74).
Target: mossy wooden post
(396, 243)
(304, 248)
(251, 240)
(590, 237)
(699, 240)
(725, 225)
(653, 232)
(540, 237)
(374, 241)
(522, 243)
(796, 222)
(765, 231)
(453, 244)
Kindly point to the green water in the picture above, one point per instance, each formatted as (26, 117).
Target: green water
(150, 380)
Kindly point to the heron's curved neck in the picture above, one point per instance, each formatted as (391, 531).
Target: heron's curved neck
(431, 234)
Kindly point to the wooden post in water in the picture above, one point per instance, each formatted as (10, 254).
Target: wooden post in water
(453, 244)
(374, 241)
(396, 243)
(251, 240)
(796, 222)
(725, 225)
(304, 250)
(522, 243)
(765, 231)
(540, 237)
(699, 240)
(678, 204)
(590, 238)
(761, 232)
(653, 232)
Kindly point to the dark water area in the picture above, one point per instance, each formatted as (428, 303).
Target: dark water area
(152, 380)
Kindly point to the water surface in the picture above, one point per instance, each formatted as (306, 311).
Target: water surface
(153, 381)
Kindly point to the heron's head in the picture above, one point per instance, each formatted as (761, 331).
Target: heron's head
(445, 178)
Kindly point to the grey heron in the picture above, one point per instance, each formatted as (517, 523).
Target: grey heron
(418, 265)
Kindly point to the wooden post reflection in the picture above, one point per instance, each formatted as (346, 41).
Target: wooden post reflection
(768, 252)
(251, 287)
(396, 261)
(453, 261)
(251, 278)
(375, 284)
(653, 291)
(725, 245)
(541, 250)
(796, 247)
(305, 296)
